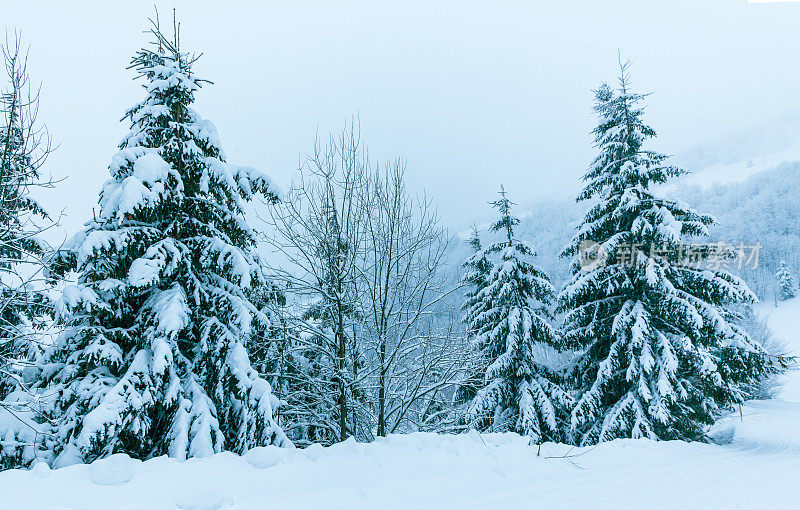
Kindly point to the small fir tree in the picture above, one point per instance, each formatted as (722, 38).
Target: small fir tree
(509, 318)
(24, 305)
(786, 284)
(24, 146)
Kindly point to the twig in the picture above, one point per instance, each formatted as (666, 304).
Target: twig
(568, 456)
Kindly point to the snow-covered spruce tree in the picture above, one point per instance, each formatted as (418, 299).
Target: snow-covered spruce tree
(152, 360)
(661, 351)
(786, 285)
(477, 269)
(509, 318)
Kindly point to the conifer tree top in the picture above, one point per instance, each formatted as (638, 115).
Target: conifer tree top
(621, 134)
(506, 221)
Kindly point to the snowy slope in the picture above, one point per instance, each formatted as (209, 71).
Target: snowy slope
(737, 155)
(757, 468)
(738, 171)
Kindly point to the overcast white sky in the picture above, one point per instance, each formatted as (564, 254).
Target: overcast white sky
(472, 94)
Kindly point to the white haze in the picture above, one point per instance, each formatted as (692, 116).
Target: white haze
(472, 94)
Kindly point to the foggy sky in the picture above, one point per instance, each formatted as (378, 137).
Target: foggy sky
(471, 94)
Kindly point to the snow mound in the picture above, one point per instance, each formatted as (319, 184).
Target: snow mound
(113, 470)
(267, 456)
(422, 471)
(41, 470)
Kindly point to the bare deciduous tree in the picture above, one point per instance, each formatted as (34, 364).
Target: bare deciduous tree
(318, 231)
(360, 259)
(404, 249)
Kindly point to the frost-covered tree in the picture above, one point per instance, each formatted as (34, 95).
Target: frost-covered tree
(509, 317)
(786, 284)
(661, 351)
(153, 357)
(410, 348)
(477, 269)
(363, 260)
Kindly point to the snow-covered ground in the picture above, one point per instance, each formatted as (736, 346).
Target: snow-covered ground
(758, 468)
(736, 156)
(425, 471)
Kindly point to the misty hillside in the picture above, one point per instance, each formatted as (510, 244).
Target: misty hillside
(744, 152)
(764, 208)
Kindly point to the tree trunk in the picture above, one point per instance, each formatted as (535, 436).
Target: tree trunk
(382, 389)
(341, 369)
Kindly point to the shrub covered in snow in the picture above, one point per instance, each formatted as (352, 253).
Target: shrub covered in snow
(21, 434)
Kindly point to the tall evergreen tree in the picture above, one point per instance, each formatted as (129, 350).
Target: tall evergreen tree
(786, 284)
(509, 317)
(661, 350)
(152, 360)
